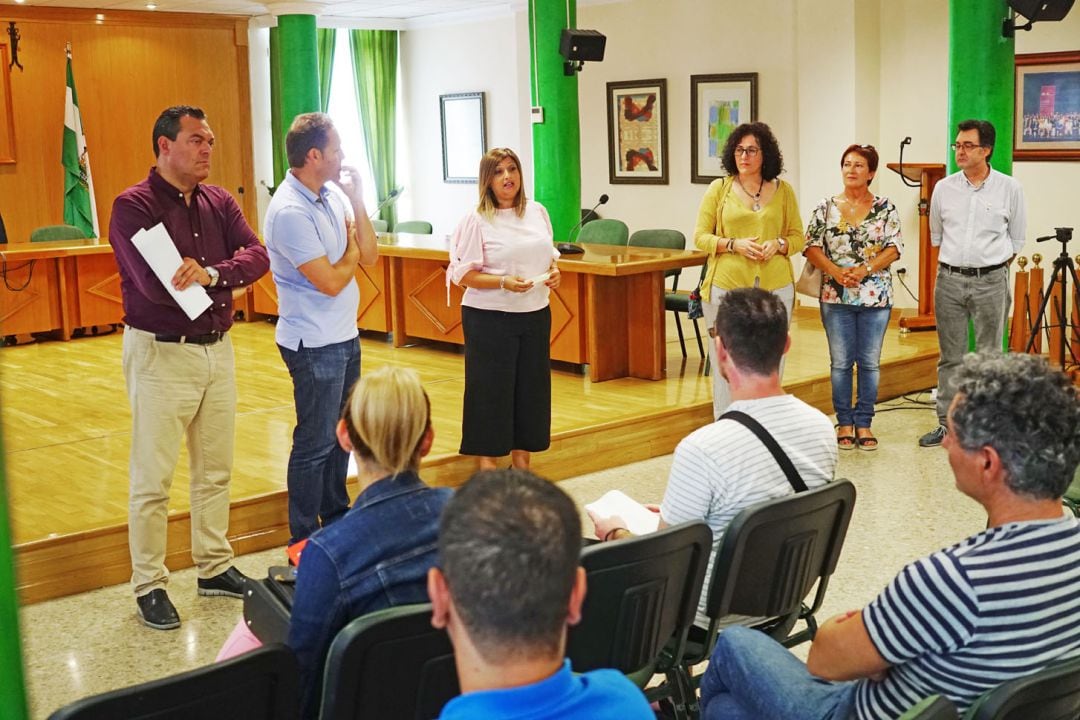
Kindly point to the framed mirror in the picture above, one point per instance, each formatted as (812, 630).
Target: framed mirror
(463, 136)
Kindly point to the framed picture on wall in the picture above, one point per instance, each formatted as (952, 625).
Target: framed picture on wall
(637, 132)
(1046, 124)
(463, 136)
(7, 115)
(718, 104)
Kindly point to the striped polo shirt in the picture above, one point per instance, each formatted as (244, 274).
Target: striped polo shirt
(1001, 604)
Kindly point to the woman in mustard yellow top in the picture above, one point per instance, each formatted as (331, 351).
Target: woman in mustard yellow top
(749, 224)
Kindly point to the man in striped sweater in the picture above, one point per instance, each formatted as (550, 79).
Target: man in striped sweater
(1001, 604)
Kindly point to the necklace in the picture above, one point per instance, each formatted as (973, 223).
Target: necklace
(756, 196)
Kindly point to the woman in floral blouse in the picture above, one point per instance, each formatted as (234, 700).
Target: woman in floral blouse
(853, 238)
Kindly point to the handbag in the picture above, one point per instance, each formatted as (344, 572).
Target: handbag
(693, 305)
(811, 277)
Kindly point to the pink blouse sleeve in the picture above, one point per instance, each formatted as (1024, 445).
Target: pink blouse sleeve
(466, 249)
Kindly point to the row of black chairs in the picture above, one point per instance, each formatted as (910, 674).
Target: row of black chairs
(639, 610)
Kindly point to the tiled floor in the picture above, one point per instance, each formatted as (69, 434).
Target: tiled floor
(907, 507)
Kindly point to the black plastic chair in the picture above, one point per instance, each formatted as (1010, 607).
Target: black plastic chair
(1053, 693)
(935, 707)
(389, 664)
(771, 557)
(259, 685)
(642, 594)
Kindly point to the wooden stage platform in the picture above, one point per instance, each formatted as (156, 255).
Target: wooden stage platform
(67, 429)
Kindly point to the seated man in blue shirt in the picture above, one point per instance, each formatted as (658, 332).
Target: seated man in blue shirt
(999, 605)
(507, 584)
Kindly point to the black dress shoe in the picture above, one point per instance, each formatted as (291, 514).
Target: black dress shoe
(228, 584)
(157, 611)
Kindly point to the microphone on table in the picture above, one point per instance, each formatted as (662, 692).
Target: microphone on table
(392, 197)
(584, 218)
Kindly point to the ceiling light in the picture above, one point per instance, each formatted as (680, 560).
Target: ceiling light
(99, 17)
(151, 6)
(19, 2)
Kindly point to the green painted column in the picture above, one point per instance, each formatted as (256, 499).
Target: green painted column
(12, 689)
(981, 73)
(557, 140)
(294, 79)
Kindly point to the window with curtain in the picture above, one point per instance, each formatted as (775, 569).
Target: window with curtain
(343, 109)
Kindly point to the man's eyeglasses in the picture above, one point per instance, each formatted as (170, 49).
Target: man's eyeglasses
(965, 146)
(747, 151)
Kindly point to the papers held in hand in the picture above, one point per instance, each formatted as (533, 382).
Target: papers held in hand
(158, 249)
(639, 519)
(541, 278)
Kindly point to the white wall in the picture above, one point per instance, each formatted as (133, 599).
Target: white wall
(831, 72)
(478, 56)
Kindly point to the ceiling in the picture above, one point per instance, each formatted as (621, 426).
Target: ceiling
(388, 14)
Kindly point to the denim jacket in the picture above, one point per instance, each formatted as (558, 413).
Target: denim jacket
(376, 556)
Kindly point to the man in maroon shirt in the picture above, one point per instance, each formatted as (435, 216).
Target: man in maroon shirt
(179, 372)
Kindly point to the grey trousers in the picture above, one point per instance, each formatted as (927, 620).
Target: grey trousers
(959, 298)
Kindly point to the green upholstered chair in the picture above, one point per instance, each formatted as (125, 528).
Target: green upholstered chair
(380, 225)
(1053, 693)
(1072, 494)
(419, 227)
(258, 685)
(674, 301)
(57, 232)
(605, 232)
(935, 707)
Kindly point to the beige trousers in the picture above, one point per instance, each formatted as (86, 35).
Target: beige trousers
(176, 390)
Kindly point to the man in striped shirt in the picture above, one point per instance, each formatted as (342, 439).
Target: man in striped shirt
(1001, 604)
(722, 468)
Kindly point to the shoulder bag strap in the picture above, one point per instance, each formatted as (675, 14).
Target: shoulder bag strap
(770, 442)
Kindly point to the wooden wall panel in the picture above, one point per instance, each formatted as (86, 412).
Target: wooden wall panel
(127, 69)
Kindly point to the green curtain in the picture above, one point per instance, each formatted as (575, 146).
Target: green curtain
(12, 693)
(326, 39)
(375, 59)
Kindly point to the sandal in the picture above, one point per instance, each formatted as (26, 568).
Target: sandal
(867, 441)
(845, 440)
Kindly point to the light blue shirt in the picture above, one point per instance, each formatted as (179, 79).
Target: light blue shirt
(300, 227)
(977, 226)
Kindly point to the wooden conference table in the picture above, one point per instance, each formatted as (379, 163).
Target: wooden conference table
(608, 311)
(58, 286)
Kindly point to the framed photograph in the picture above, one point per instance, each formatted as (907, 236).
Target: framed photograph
(7, 115)
(1047, 116)
(463, 136)
(637, 132)
(718, 104)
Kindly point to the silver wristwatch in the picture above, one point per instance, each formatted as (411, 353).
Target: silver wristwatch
(214, 275)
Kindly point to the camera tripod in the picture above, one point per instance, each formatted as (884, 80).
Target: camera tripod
(1063, 269)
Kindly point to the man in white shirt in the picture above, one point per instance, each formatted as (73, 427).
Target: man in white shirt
(977, 218)
(722, 468)
(315, 244)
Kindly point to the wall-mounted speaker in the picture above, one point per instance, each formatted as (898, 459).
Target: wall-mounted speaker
(1042, 10)
(582, 45)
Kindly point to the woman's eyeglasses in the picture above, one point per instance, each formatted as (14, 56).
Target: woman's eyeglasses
(747, 151)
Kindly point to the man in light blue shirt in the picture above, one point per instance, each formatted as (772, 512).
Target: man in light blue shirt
(978, 219)
(507, 583)
(315, 243)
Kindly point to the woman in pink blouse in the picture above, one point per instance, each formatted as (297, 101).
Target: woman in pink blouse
(502, 254)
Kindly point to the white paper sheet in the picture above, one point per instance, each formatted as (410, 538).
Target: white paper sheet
(639, 519)
(541, 278)
(157, 248)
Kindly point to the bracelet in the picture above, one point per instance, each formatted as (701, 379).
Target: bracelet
(869, 270)
(611, 532)
(731, 245)
(502, 282)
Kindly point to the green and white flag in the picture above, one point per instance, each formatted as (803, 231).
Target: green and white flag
(79, 207)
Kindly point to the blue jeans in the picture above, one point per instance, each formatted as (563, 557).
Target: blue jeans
(751, 676)
(322, 378)
(855, 335)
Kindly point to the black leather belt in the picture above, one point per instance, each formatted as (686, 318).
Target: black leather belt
(208, 339)
(972, 272)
